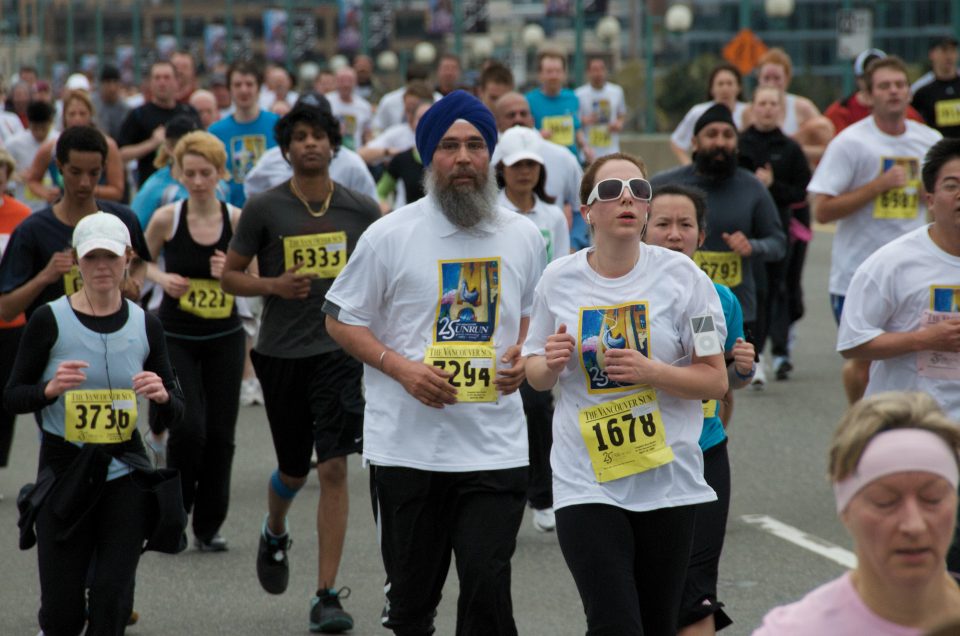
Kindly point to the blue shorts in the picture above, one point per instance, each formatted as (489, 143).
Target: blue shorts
(836, 304)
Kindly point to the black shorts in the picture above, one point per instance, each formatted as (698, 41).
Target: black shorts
(313, 402)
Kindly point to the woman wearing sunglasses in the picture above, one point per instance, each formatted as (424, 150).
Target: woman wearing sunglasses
(612, 326)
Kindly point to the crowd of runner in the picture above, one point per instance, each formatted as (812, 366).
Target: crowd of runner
(478, 291)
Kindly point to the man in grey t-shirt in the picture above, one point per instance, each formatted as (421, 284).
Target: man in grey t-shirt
(108, 102)
(302, 233)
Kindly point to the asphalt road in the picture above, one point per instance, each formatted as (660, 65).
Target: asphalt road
(778, 454)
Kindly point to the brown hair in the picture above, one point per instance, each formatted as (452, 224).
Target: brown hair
(590, 174)
(777, 56)
(542, 55)
(891, 62)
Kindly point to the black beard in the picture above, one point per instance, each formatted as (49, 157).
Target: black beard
(718, 163)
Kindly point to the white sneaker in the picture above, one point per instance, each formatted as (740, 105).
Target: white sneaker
(250, 392)
(544, 520)
(759, 382)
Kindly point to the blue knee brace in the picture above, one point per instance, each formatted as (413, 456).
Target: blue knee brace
(283, 491)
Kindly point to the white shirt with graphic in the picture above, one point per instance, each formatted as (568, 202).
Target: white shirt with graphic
(606, 105)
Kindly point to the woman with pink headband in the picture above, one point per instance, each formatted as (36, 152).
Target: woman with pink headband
(894, 468)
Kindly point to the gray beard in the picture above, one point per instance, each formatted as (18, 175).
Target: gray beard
(464, 207)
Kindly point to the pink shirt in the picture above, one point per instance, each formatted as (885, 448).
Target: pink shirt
(833, 608)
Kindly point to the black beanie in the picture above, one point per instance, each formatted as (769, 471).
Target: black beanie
(716, 113)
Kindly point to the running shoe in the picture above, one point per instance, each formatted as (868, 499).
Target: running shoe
(134, 617)
(782, 367)
(250, 392)
(544, 520)
(216, 544)
(759, 382)
(327, 615)
(273, 566)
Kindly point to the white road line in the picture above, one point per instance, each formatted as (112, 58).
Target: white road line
(808, 541)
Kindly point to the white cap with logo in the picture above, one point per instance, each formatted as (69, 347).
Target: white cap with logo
(516, 144)
(78, 82)
(101, 231)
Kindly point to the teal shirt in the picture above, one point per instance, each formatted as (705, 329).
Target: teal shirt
(713, 433)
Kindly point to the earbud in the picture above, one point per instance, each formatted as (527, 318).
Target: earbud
(588, 218)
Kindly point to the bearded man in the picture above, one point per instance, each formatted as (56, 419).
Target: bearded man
(435, 302)
(742, 223)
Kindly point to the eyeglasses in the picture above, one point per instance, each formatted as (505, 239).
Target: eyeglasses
(474, 146)
(611, 189)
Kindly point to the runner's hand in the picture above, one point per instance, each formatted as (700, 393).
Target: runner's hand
(174, 285)
(149, 385)
(738, 242)
(58, 265)
(629, 366)
(427, 383)
(217, 261)
(559, 349)
(509, 378)
(291, 285)
(69, 375)
(943, 336)
(895, 177)
(743, 357)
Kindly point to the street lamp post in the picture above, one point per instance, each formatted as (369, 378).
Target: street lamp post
(678, 19)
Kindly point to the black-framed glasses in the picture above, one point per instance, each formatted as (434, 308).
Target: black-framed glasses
(611, 189)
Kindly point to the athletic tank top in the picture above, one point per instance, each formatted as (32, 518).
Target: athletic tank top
(123, 352)
(790, 125)
(204, 311)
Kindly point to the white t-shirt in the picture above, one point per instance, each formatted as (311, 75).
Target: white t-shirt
(857, 156)
(10, 125)
(354, 117)
(660, 295)
(890, 292)
(607, 104)
(347, 169)
(393, 286)
(551, 222)
(400, 137)
(563, 174)
(23, 148)
(390, 109)
(683, 135)
(268, 98)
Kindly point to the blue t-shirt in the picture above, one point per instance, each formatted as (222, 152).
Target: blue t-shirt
(160, 189)
(561, 113)
(245, 144)
(713, 433)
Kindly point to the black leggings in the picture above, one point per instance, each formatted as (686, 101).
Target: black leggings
(201, 445)
(9, 341)
(629, 567)
(102, 552)
(538, 408)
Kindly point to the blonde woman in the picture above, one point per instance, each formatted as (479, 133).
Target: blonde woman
(204, 333)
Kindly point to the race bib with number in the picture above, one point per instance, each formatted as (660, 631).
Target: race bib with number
(725, 268)
(710, 408)
(942, 365)
(206, 299)
(561, 129)
(600, 136)
(474, 367)
(323, 255)
(900, 203)
(99, 416)
(948, 112)
(72, 283)
(625, 437)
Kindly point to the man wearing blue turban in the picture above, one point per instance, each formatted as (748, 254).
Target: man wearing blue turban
(435, 302)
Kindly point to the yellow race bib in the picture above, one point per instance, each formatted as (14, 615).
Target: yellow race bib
(725, 268)
(561, 129)
(898, 203)
(322, 255)
(948, 112)
(625, 437)
(95, 416)
(72, 283)
(206, 299)
(474, 367)
(600, 136)
(710, 408)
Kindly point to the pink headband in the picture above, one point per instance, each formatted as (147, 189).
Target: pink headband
(898, 451)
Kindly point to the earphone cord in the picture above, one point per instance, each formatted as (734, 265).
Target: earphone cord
(106, 363)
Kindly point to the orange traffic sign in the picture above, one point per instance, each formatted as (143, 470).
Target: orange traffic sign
(744, 50)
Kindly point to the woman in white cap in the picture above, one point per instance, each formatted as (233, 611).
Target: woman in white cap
(893, 464)
(522, 177)
(84, 361)
(78, 110)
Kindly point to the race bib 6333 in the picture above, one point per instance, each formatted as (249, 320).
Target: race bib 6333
(323, 255)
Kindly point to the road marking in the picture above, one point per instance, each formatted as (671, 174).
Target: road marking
(815, 544)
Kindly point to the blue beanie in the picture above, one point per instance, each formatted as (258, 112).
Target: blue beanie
(437, 121)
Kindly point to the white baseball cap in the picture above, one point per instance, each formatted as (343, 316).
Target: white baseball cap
(516, 144)
(78, 82)
(865, 57)
(101, 231)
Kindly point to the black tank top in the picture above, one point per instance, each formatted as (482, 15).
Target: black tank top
(205, 310)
